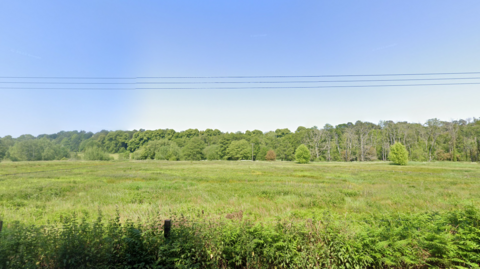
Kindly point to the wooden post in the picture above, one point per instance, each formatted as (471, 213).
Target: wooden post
(1, 225)
(166, 228)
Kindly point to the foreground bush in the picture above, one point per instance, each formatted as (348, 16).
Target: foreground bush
(401, 241)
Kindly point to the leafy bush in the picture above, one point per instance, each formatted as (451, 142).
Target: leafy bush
(96, 154)
(140, 154)
(262, 153)
(271, 155)
(302, 154)
(74, 156)
(124, 155)
(239, 150)
(168, 150)
(447, 240)
(150, 149)
(212, 152)
(398, 154)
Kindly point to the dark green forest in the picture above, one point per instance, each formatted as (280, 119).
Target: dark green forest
(360, 141)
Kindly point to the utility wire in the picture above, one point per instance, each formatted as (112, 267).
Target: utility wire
(242, 88)
(315, 87)
(225, 77)
(235, 82)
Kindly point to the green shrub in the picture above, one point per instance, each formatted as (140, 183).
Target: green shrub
(447, 240)
(212, 152)
(96, 154)
(262, 154)
(170, 152)
(302, 154)
(398, 154)
(239, 150)
(124, 155)
(74, 156)
(140, 154)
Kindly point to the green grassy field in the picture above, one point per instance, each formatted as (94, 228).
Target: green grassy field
(41, 192)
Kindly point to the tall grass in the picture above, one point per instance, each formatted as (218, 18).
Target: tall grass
(37, 192)
(317, 215)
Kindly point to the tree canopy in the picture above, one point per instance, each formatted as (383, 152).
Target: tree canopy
(193, 150)
(239, 150)
(359, 141)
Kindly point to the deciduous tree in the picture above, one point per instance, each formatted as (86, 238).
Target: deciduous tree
(302, 154)
(193, 150)
(271, 156)
(398, 154)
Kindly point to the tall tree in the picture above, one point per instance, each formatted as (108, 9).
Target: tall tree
(313, 139)
(453, 129)
(239, 150)
(193, 150)
(434, 130)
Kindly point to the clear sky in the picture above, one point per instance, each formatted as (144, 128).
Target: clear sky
(95, 38)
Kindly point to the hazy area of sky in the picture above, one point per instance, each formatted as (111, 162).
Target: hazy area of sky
(233, 38)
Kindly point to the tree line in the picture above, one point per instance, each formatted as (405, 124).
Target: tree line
(360, 141)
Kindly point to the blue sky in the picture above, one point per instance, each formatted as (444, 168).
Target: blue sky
(233, 38)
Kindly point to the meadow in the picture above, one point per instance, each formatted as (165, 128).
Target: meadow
(261, 193)
(38, 192)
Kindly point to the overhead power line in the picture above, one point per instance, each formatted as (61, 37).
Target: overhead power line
(227, 77)
(235, 82)
(243, 88)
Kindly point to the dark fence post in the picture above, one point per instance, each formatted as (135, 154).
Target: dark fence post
(166, 228)
(1, 225)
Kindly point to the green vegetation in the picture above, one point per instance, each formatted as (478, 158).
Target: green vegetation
(360, 141)
(342, 211)
(37, 192)
(324, 214)
(398, 154)
(302, 154)
(449, 240)
(36, 150)
(193, 150)
(238, 150)
(96, 154)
